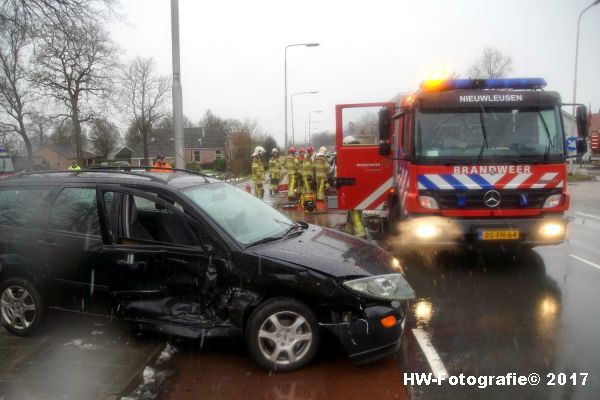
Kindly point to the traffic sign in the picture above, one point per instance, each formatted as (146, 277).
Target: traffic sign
(571, 143)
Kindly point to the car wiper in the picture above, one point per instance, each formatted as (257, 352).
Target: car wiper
(484, 145)
(550, 144)
(268, 239)
(293, 229)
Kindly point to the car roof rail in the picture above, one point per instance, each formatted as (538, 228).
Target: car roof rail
(127, 169)
(77, 172)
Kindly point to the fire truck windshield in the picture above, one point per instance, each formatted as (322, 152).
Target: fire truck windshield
(484, 134)
(6, 165)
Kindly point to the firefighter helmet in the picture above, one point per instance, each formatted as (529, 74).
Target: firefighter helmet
(310, 149)
(258, 151)
(301, 150)
(275, 150)
(322, 151)
(292, 150)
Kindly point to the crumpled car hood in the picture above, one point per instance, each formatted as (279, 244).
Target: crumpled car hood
(331, 252)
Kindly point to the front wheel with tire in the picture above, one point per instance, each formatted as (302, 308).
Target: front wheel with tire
(21, 307)
(282, 334)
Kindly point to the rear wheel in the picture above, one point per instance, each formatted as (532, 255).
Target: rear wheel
(282, 334)
(21, 306)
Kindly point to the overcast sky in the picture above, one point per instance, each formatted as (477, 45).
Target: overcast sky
(232, 51)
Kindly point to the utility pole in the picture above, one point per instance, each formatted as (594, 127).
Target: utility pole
(177, 97)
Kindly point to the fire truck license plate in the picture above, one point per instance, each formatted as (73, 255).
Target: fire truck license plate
(498, 235)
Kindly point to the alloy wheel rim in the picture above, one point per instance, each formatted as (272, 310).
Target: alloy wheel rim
(18, 307)
(285, 338)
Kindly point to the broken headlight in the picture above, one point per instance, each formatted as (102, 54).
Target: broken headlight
(384, 287)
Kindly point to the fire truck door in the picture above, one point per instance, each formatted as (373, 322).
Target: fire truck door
(364, 178)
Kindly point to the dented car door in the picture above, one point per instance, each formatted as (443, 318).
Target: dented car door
(162, 269)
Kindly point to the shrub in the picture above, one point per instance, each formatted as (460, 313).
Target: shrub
(219, 165)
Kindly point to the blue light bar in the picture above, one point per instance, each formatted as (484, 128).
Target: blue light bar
(471, 84)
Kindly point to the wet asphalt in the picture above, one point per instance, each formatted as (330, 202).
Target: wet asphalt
(492, 313)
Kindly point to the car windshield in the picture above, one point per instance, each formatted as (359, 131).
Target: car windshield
(244, 217)
(487, 133)
(6, 165)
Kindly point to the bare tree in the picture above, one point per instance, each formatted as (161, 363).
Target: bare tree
(41, 15)
(167, 122)
(39, 128)
(104, 136)
(144, 95)
(492, 64)
(15, 93)
(74, 66)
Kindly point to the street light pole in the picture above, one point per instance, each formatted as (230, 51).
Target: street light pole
(177, 98)
(293, 133)
(309, 126)
(577, 53)
(285, 83)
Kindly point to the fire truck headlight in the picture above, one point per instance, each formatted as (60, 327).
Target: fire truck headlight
(428, 202)
(552, 229)
(425, 230)
(553, 201)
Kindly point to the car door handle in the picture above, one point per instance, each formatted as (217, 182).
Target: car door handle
(47, 242)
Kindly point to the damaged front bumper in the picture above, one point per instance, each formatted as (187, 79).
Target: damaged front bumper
(366, 339)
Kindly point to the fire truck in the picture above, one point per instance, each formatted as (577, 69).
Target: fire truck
(595, 147)
(7, 167)
(460, 162)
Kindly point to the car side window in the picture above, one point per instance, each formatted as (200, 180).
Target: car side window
(19, 206)
(141, 219)
(75, 210)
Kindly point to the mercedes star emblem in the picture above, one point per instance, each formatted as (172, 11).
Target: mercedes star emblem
(491, 198)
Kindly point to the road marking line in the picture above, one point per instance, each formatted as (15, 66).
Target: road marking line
(587, 215)
(435, 362)
(585, 261)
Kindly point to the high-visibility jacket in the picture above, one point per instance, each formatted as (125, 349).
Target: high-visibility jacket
(161, 167)
(74, 168)
(307, 167)
(290, 164)
(321, 167)
(258, 170)
(274, 167)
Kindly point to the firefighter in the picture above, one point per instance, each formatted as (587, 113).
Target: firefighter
(74, 166)
(321, 165)
(160, 164)
(274, 171)
(354, 218)
(258, 171)
(291, 166)
(307, 170)
(299, 178)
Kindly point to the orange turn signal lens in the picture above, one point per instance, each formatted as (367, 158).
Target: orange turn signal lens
(389, 321)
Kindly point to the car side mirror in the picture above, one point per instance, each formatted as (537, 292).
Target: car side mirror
(581, 119)
(385, 148)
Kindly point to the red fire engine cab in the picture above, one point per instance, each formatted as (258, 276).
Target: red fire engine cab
(7, 167)
(459, 162)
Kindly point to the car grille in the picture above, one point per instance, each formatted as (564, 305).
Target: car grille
(473, 199)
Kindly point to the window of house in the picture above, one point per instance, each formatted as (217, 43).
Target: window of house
(75, 210)
(218, 154)
(196, 155)
(18, 206)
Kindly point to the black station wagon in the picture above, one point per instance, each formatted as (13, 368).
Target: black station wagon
(188, 255)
